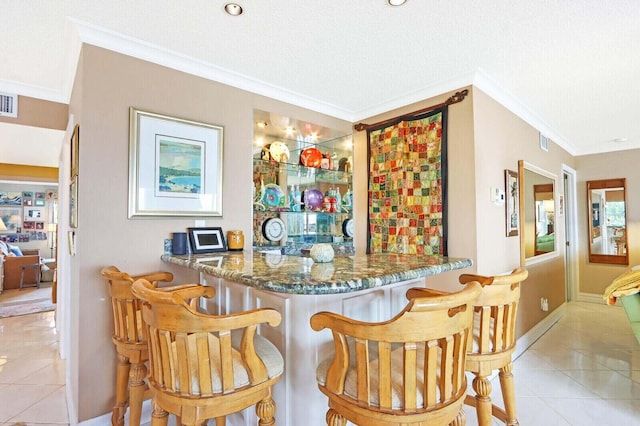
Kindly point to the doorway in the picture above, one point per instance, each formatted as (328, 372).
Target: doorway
(568, 205)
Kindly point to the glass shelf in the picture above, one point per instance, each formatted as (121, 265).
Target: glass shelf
(301, 175)
(305, 226)
(302, 212)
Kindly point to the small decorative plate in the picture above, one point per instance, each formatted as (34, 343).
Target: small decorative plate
(272, 195)
(311, 157)
(347, 228)
(273, 229)
(279, 152)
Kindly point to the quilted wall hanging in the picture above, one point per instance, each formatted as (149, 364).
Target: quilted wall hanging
(407, 185)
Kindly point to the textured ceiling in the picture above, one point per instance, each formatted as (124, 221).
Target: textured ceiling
(568, 68)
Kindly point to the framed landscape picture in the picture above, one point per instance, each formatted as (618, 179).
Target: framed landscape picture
(175, 166)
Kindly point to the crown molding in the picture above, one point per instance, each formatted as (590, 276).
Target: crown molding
(492, 88)
(78, 32)
(417, 96)
(100, 37)
(37, 92)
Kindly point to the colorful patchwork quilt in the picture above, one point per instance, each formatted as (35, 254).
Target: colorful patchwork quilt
(407, 186)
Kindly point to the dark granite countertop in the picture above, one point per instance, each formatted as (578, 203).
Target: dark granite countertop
(300, 275)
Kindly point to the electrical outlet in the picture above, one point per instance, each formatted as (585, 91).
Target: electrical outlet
(544, 304)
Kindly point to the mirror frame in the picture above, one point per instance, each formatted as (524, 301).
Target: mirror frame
(614, 259)
(522, 165)
(545, 188)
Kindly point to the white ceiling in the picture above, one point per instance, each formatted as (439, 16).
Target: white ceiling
(570, 68)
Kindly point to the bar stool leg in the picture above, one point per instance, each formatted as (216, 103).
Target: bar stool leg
(334, 418)
(136, 392)
(159, 417)
(508, 394)
(122, 379)
(266, 409)
(460, 420)
(482, 387)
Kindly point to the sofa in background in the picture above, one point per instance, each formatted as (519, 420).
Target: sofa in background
(13, 269)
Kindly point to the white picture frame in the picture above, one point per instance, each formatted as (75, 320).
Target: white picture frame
(175, 166)
(34, 214)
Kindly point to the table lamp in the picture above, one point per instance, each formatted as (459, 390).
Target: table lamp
(3, 227)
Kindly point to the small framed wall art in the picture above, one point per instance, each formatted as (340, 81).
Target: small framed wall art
(75, 147)
(207, 240)
(512, 203)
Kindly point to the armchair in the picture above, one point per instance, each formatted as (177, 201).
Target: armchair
(13, 269)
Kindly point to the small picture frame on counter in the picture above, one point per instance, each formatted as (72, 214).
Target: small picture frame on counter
(207, 240)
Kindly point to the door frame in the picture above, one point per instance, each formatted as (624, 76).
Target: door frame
(569, 191)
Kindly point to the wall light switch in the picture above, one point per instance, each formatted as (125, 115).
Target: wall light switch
(200, 223)
(497, 196)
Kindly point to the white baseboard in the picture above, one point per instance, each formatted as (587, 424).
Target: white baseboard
(591, 298)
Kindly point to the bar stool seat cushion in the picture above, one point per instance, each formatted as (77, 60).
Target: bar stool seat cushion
(397, 389)
(265, 350)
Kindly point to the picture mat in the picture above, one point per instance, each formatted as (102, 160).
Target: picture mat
(143, 176)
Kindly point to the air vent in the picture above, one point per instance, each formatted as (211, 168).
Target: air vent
(8, 105)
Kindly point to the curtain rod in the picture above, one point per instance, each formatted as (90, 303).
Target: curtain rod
(454, 99)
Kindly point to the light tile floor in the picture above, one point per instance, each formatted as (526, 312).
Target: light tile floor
(584, 371)
(32, 377)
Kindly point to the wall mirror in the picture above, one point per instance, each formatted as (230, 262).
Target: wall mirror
(538, 210)
(607, 221)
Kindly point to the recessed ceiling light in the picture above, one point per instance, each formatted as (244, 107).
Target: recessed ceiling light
(618, 140)
(233, 9)
(396, 2)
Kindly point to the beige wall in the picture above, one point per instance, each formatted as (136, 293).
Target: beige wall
(484, 139)
(39, 113)
(107, 85)
(502, 139)
(595, 277)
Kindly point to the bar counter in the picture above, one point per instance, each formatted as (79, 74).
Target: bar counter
(300, 275)
(364, 287)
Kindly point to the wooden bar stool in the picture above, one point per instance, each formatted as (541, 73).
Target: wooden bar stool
(130, 340)
(494, 319)
(494, 341)
(206, 366)
(405, 371)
